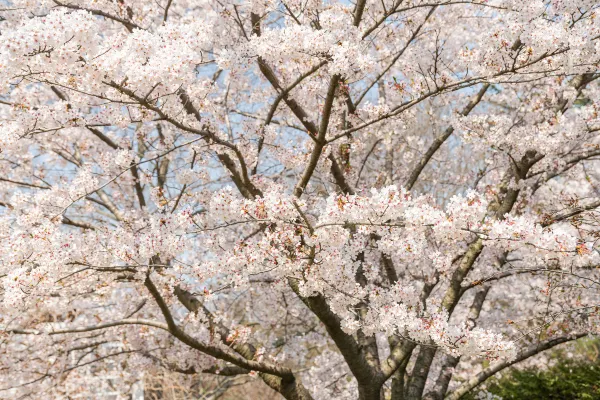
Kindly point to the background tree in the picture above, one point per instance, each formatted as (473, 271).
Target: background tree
(388, 198)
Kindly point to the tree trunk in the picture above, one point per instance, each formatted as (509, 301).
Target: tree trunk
(369, 392)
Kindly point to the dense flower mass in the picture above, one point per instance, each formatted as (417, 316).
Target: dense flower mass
(391, 199)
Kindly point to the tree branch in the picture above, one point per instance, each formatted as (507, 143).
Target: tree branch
(490, 371)
(437, 143)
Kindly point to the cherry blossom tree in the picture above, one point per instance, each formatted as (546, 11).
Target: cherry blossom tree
(373, 199)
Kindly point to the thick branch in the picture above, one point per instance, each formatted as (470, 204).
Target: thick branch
(450, 361)
(344, 342)
(214, 351)
(320, 142)
(290, 387)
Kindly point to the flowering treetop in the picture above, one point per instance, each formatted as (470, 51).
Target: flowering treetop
(397, 191)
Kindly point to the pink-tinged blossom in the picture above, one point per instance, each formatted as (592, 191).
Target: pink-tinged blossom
(326, 197)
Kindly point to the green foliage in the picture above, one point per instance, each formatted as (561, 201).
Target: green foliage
(569, 379)
(563, 381)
